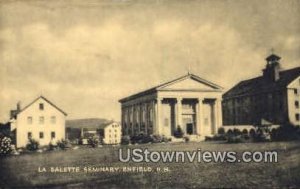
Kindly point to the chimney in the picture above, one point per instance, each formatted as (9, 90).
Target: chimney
(271, 72)
(19, 106)
(14, 113)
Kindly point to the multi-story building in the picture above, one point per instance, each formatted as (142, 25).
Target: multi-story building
(111, 133)
(40, 120)
(188, 102)
(273, 97)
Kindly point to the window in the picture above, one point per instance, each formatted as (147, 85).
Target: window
(52, 135)
(297, 117)
(29, 135)
(41, 135)
(115, 136)
(29, 120)
(41, 106)
(116, 130)
(41, 120)
(295, 91)
(297, 104)
(53, 119)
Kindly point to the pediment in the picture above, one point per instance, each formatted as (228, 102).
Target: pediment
(189, 83)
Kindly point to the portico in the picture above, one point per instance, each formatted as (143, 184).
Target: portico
(189, 102)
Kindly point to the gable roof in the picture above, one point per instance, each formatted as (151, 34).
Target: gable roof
(161, 86)
(41, 97)
(262, 85)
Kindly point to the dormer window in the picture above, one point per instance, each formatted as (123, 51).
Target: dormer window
(41, 106)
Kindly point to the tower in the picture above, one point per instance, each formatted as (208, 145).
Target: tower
(272, 69)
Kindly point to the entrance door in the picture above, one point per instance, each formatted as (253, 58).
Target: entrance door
(189, 128)
(188, 124)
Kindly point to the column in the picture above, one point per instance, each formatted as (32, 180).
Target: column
(132, 120)
(220, 116)
(179, 112)
(215, 117)
(157, 116)
(145, 111)
(200, 115)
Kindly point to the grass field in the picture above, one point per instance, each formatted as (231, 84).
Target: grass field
(22, 171)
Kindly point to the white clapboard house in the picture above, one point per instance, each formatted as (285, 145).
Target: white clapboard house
(40, 120)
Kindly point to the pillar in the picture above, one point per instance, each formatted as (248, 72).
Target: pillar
(219, 110)
(179, 112)
(200, 117)
(157, 116)
(215, 117)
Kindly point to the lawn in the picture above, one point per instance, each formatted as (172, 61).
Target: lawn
(22, 171)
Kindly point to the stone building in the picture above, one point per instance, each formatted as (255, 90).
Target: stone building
(274, 97)
(189, 102)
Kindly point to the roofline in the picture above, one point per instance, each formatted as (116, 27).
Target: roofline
(225, 95)
(159, 87)
(46, 101)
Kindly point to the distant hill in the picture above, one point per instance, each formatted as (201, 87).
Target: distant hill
(86, 123)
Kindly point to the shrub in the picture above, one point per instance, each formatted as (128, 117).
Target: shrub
(229, 132)
(219, 137)
(285, 132)
(236, 132)
(5, 145)
(52, 145)
(221, 131)
(64, 144)
(252, 133)
(141, 139)
(125, 140)
(165, 139)
(178, 133)
(235, 139)
(156, 138)
(94, 141)
(32, 145)
(262, 135)
(245, 134)
(186, 138)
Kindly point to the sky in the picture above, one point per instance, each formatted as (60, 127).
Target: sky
(86, 55)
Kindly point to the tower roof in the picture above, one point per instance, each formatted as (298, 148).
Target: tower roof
(273, 57)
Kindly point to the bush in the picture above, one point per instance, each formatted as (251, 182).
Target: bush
(141, 139)
(286, 132)
(94, 141)
(125, 140)
(32, 145)
(5, 145)
(156, 138)
(236, 132)
(178, 133)
(235, 139)
(52, 145)
(165, 139)
(219, 137)
(262, 135)
(252, 133)
(64, 144)
(221, 131)
(229, 132)
(186, 138)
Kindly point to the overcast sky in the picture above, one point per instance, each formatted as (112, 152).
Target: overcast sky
(86, 55)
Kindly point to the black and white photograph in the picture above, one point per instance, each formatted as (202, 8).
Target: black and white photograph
(149, 94)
